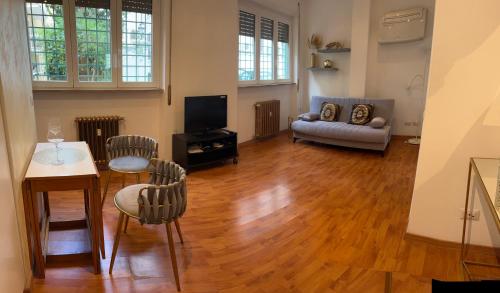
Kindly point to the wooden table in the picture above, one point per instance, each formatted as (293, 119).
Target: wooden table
(78, 172)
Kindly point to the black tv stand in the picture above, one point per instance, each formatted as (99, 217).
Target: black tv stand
(203, 149)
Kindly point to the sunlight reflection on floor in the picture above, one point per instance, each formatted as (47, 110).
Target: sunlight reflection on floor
(263, 204)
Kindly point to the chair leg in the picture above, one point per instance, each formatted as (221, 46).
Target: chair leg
(106, 186)
(117, 241)
(178, 228)
(138, 177)
(123, 180)
(126, 224)
(172, 255)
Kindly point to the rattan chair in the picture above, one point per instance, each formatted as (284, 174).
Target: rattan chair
(162, 201)
(128, 154)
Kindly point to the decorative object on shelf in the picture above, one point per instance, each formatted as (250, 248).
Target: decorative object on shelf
(334, 45)
(327, 63)
(314, 42)
(312, 60)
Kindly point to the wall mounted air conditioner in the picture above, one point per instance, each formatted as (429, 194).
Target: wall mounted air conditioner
(402, 26)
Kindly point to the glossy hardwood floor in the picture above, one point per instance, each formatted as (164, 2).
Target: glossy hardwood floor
(288, 218)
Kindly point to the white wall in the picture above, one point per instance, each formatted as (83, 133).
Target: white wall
(286, 94)
(331, 19)
(204, 54)
(12, 277)
(17, 138)
(204, 62)
(370, 70)
(392, 66)
(360, 32)
(145, 112)
(141, 110)
(461, 118)
(248, 96)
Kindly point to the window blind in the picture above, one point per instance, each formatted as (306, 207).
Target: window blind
(283, 32)
(93, 3)
(45, 1)
(140, 6)
(247, 24)
(266, 28)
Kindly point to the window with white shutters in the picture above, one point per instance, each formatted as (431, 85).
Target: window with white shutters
(264, 48)
(283, 62)
(246, 47)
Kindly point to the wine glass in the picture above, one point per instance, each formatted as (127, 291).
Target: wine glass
(55, 136)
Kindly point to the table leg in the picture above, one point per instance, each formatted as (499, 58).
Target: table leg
(46, 203)
(94, 223)
(100, 220)
(464, 230)
(28, 220)
(86, 201)
(38, 251)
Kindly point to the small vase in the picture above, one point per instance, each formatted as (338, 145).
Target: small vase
(312, 60)
(327, 63)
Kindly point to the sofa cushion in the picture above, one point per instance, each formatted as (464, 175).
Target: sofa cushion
(361, 114)
(308, 116)
(329, 112)
(377, 122)
(342, 131)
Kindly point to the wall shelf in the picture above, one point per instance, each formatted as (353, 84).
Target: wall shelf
(322, 69)
(334, 50)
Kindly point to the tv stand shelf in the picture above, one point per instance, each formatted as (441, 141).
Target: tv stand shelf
(198, 150)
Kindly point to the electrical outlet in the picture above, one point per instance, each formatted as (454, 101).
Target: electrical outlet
(407, 123)
(474, 215)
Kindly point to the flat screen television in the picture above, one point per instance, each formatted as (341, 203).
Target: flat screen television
(205, 113)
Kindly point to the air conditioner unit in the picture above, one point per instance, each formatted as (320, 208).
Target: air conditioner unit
(402, 26)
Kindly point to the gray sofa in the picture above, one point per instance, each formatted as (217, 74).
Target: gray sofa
(341, 132)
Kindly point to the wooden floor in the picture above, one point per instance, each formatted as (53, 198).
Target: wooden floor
(288, 218)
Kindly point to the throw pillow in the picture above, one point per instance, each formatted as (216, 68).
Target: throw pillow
(309, 116)
(361, 114)
(377, 122)
(329, 112)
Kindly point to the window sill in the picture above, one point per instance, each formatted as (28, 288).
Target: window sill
(265, 84)
(70, 89)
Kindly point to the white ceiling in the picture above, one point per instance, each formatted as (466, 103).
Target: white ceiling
(288, 7)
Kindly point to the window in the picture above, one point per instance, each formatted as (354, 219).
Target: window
(93, 40)
(283, 64)
(137, 41)
(263, 54)
(246, 48)
(94, 43)
(45, 22)
(266, 49)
